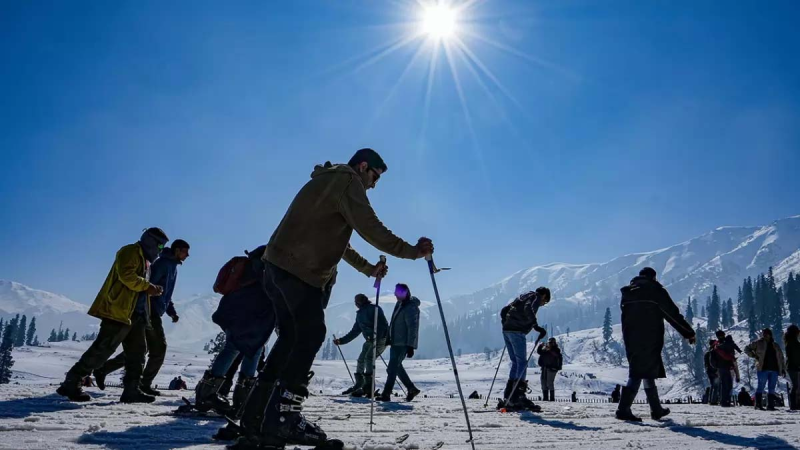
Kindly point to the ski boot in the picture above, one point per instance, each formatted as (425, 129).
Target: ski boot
(759, 402)
(364, 385)
(624, 409)
(133, 394)
(545, 396)
(100, 379)
(509, 401)
(355, 387)
(240, 394)
(205, 394)
(71, 388)
(770, 402)
(413, 392)
(283, 421)
(656, 410)
(523, 400)
(552, 395)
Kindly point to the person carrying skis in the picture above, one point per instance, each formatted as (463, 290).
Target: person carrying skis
(301, 259)
(770, 365)
(164, 273)
(403, 340)
(550, 360)
(122, 306)
(518, 319)
(645, 306)
(364, 325)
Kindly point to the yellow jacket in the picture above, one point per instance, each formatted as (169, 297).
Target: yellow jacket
(127, 278)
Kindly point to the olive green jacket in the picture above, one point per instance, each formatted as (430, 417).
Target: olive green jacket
(127, 278)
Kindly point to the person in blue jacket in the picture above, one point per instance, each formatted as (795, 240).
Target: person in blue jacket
(365, 325)
(164, 273)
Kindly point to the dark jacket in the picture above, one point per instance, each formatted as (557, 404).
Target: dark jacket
(793, 355)
(365, 324)
(164, 273)
(711, 371)
(744, 399)
(404, 328)
(645, 306)
(520, 314)
(247, 318)
(550, 359)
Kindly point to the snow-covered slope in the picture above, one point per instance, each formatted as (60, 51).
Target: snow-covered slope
(49, 309)
(195, 327)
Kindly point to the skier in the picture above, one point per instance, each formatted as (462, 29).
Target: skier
(712, 373)
(121, 305)
(518, 319)
(771, 364)
(364, 325)
(645, 306)
(550, 360)
(164, 273)
(744, 398)
(792, 346)
(301, 259)
(403, 340)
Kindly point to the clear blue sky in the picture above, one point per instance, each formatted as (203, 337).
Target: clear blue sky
(633, 125)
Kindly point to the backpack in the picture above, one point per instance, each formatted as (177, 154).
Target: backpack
(239, 272)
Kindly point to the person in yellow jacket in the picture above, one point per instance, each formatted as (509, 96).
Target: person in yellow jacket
(121, 305)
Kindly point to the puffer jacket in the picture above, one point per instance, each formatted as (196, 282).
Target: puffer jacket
(365, 324)
(404, 328)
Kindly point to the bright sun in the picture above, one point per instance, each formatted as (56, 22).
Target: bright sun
(439, 21)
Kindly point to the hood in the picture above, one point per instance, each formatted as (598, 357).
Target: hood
(328, 167)
(640, 282)
(414, 301)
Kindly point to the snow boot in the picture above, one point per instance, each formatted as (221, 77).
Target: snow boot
(283, 419)
(624, 409)
(244, 385)
(206, 397)
(364, 385)
(545, 396)
(355, 387)
(412, 393)
(770, 402)
(132, 393)
(149, 390)
(759, 401)
(71, 388)
(254, 407)
(656, 410)
(508, 402)
(100, 379)
(552, 395)
(523, 400)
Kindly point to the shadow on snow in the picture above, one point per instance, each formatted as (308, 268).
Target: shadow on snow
(763, 441)
(24, 407)
(162, 436)
(534, 419)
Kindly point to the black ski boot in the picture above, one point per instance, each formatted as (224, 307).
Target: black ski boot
(283, 421)
(71, 388)
(148, 389)
(522, 399)
(133, 394)
(545, 396)
(760, 402)
(100, 379)
(770, 402)
(624, 408)
(253, 416)
(205, 394)
(412, 393)
(356, 386)
(364, 384)
(656, 410)
(240, 394)
(508, 400)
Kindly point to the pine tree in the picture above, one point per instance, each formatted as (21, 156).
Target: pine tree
(689, 312)
(739, 310)
(607, 331)
(31, 332)
(22, 329)
(731, 313)
(714, 311)
(792, 292)
(774, 308)
(2, 325)
(6, 345)
(695, 308)
(703, 312)
(35, 342)
(698, 362)
(53, 336)
(751, 324)
(748, 297)
(216, 345)
(74, 336)
(66, 335)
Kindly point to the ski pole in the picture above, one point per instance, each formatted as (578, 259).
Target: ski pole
(489, 395)
(399, 384)
(377, 286)
(433, 270)
(527, 362)
(345, 361)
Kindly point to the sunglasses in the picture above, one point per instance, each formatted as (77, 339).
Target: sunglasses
(160, 246)
(377, 175)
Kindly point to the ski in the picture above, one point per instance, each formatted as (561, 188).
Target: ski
(401, 439)
(189, 409)
(437, 445)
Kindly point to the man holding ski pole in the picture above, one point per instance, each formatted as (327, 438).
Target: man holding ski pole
(300, 260)
(365, 318)
(519, 318)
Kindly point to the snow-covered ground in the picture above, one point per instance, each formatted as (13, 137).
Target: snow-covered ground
(33, 417)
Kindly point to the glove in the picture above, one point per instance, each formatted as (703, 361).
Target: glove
(410, 352)
(175, 318)
(336, 341)
(542, 332)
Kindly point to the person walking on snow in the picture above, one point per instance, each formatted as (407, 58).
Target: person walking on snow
(164, 273)
(122, 306)
(365, 325)
(403, 340)
(550, 360)
(518, 319)
(770, 365)
(712, 373)
(301, 259)
(792, 346)
(645, 306)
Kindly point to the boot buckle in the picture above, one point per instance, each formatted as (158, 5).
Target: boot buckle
(290, 408)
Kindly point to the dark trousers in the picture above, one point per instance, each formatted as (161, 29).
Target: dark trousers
(156, 342)
(714, 381)
(397, 353)
(301, 320)
(794, 395)
(111, 335)
(725, 386)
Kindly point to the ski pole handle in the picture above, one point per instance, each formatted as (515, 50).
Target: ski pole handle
(378, 277)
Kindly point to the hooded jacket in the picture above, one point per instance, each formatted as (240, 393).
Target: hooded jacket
(550, 358)
(520, 314)
(365, 324)
(125, 281)
(404, 328)
(314, 234)
(164, 273)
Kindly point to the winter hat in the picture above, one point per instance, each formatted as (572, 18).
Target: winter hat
(151, 240)
(648, 272)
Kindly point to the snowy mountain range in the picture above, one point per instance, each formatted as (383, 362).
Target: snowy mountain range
(49, 309)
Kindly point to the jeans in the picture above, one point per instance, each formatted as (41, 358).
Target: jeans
(156, 342)
(725, 386)
(397, 353)
(765, 377)
(548, 379)
(516, 346)
(365, 363)
(228, 355)
(301, 320)
(110, 336)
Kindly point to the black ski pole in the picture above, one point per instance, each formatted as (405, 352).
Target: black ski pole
(489, 395)
(399, 384)
(377, 286)
(345, 361)
(432, 269)
(527, 362)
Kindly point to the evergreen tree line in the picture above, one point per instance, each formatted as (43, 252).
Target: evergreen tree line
(63, 335)
(329, 351)
(21, 333)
